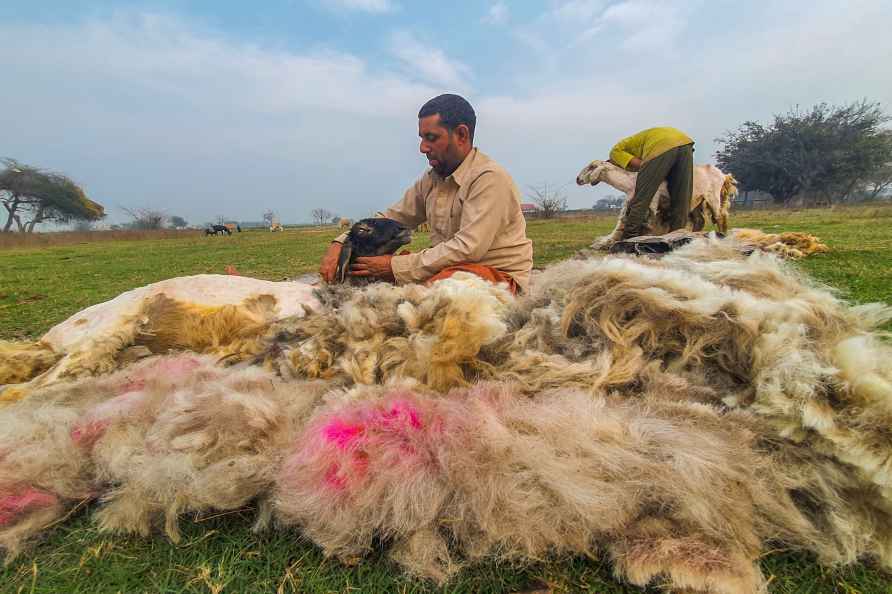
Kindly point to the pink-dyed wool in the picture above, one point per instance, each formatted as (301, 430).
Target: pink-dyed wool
(15, 504)
(338, 450)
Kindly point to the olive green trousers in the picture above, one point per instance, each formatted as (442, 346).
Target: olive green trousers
(676, 166)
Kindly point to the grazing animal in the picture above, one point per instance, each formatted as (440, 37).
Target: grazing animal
(371, 237)
(712, 195)
(217, 230)
(344, 224)
(276, 227)
(233, 227)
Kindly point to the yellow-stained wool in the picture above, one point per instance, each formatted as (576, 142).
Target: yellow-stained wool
(790, 244)
(21, 361)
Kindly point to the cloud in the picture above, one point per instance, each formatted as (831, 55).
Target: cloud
(150, 110)
(497, 15)
(157, 114)
(429, 64)
(363, 5)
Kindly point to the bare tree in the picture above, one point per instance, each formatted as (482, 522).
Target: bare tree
(550, 201)
(321, 216)
(269, 217)
(879, 181)
(146, 218)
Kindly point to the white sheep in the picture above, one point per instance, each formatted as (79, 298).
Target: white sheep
(713, 191)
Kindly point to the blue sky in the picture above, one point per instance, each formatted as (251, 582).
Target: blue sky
(206, 108)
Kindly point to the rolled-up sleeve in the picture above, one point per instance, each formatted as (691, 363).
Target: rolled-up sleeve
(483, 213)
(619, 154)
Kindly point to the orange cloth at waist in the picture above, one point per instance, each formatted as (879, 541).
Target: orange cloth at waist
(485, 272)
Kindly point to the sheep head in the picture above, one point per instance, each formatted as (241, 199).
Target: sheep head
(591, 173)
(371, 237)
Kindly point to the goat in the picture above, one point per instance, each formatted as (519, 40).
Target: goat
(371, 237)
(217, 230)
(712, 193)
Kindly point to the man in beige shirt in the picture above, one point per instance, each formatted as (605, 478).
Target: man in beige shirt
(469, 201)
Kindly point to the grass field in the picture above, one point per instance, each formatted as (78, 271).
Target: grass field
(41, 286)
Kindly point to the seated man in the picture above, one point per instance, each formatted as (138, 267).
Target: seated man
(657, 154)
(470, 203)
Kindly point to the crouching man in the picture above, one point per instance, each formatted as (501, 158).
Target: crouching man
(657, 154)
(470, 203)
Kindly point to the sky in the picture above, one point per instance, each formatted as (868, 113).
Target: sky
(218, 108)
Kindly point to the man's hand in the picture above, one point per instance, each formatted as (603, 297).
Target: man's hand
(374, 267)
(329, 265)
(634, 164)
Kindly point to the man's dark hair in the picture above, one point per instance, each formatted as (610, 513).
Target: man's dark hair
(453, 110)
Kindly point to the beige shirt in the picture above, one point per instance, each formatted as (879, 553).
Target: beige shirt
(474, 215)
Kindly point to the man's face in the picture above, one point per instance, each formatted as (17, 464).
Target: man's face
(444, 150)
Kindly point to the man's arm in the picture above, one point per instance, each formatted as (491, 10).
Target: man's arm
(484, 212)
(620, 155)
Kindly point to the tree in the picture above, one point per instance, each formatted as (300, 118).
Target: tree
(178, 222)
(549, 200)
(269, 217)
(825, 152)
(39, 196)
(335, 219)
(879, 181)
(610, 202)
(146, 219)
(320, 216)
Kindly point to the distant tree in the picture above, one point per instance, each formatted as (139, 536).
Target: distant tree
(549, 200)
(320, 216)
(825, 152)
(269, 217)
(145, 219)
(178, 222)
(610, 202)
(335, 219)
(39, 196)
(879, 181)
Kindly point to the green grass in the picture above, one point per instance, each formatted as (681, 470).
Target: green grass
(41, 287)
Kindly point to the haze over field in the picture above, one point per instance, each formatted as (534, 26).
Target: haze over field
(223, 108)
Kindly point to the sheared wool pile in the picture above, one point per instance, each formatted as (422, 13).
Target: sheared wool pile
(166, 436)
(790, 244)
(682, 414)
(671, 490)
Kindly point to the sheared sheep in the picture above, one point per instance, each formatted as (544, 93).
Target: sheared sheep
(203, 313)
(371, 237)
(712, 194)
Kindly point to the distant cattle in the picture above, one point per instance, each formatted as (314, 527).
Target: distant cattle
(276, 227)
(233, 227)
(217, 230)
